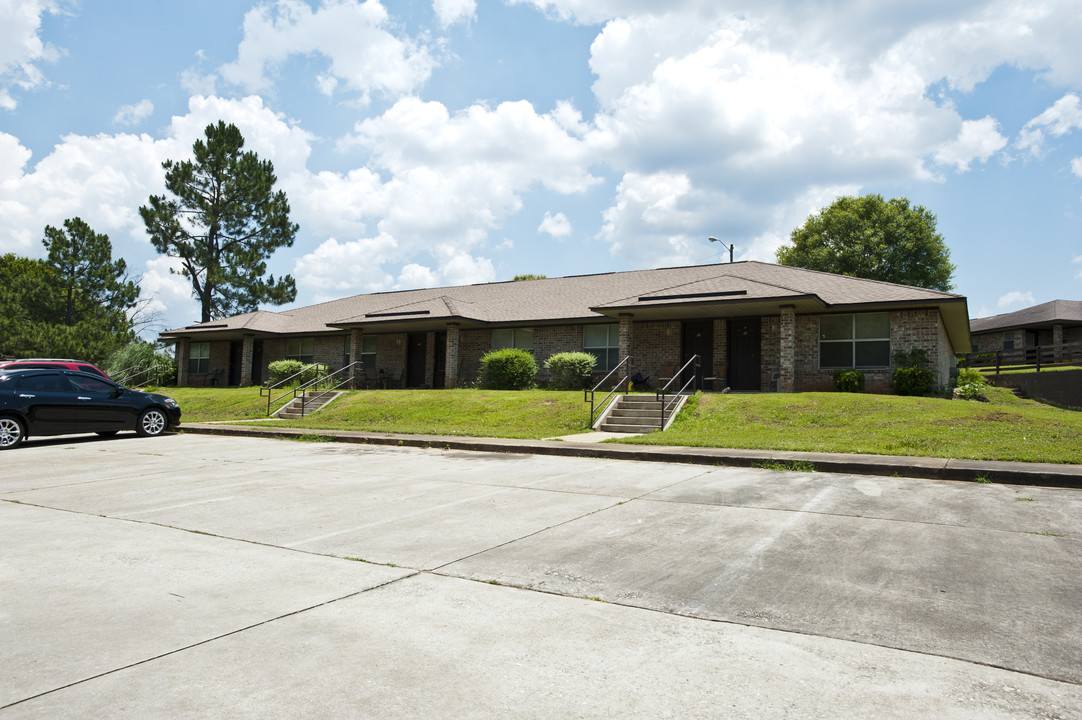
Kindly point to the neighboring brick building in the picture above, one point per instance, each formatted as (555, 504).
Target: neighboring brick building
(1058, 322)
(756, 327)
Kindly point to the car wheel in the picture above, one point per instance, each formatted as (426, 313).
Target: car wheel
(11, 433)
(152, 422)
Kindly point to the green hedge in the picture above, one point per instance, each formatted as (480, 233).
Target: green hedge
(848, 380)
(282, 369)
(507, 369)
(911, 375)
(571, 370)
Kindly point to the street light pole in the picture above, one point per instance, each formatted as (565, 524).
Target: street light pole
(730, 246)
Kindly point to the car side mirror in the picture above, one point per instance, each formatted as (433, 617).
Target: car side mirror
(118, 392)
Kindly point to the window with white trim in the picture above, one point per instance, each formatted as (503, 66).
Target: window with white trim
(199, 358)
(854, 341)
(521, 338)
(603, 342)
(302, 349)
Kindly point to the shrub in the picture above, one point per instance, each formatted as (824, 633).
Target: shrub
(507, 369)
(970, 385)
(571, 370)
(848, 380)
(911, 375)
(280, 370)
(140, 363)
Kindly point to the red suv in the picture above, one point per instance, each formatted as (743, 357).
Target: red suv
(51, 363)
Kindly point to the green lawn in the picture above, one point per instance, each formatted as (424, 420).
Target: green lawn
(1007, 428)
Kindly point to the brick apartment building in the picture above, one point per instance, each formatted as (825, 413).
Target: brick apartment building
(755, 326)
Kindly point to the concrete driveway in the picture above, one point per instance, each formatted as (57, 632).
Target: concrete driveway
(201, 576)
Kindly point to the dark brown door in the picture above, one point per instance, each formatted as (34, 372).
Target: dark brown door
(415, 359)
(236, 352)
(257, 362)
(697, 339)
(745, 361)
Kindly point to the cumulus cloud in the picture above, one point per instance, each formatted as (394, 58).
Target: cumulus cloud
(978, 140)
(134, 114)
(1076, 166)
(558, 226)
(166, 293)
(1064, 116)
(1016, 298)
(452, 12)
(21, 49)
(654, 216)
(354, 37)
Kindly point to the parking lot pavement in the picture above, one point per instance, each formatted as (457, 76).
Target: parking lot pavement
(196, 576)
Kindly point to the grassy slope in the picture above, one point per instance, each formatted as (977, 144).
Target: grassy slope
(1005, 429)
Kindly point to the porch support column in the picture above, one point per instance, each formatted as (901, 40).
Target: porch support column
(787, 351)
(1057, 340)
(247, 348)
(451, 369)
(627, 335)
(355, 345)
(181, 357)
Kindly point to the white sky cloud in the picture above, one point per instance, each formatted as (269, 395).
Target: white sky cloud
(978, 140)
(558, 226)
(712, 117)
(134, 114)
(1016, 298)
(451, 12)
(166, 291)
(1063, 117)
(354, 37)
(21, 49)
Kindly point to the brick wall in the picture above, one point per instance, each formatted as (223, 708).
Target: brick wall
(655, 345)
(909, 329)
(472, 345)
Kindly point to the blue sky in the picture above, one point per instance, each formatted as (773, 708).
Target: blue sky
(443, 142)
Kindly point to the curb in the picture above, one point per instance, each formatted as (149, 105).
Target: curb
(1009, 473)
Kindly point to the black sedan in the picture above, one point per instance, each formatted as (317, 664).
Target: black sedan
(63, 402)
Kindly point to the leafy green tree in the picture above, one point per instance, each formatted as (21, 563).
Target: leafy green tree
(90, 281)
(74, 303)
(222, 221)
(528, 277)
(869, 237)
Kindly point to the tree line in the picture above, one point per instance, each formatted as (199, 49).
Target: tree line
(220, 217)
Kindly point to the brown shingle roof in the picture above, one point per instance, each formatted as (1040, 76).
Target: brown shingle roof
(723, 288)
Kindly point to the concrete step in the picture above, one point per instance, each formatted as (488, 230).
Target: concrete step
(311, 403)
(622, 428)
(621, 411)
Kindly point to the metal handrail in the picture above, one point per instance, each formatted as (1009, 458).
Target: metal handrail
(662, 391)
(588, 395)
(265, 391)
(303, 389)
